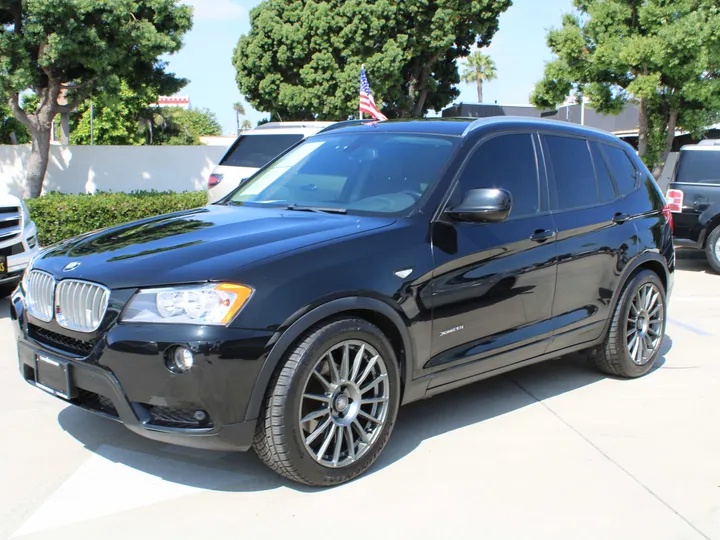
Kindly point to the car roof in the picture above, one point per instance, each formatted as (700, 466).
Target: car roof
(464, 127)
(700, 148)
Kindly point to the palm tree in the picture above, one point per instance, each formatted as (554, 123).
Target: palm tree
(246, 124)
(479, 68)
(239, 111)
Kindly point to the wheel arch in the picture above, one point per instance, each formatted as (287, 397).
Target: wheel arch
(375, 311)
(708, 221)
(645, 261)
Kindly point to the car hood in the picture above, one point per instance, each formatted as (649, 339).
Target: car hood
(206, 244)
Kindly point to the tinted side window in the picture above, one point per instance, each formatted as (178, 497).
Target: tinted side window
(572, 169)
(606, 189)
(698, 166)
(258, 150)
(507, 162)
(622, 168)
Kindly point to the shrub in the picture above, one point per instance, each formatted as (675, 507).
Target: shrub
(59, 216)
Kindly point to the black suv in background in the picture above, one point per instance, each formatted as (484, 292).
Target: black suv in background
(693, 195)
(369, 266)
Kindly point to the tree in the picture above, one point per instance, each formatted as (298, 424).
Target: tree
(480, 68)
(119, 118)
(301, 59)
(11, 130)
(239, 111)
(246, 124)
(65, 50)
(184, 127)
(662, 55)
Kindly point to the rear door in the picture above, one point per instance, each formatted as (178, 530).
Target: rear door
(493, 284)
(596, 233)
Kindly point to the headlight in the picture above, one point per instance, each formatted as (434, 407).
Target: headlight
(211, 303)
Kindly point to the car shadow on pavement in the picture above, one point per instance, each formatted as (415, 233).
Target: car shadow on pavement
(693, 260)
(417, 422)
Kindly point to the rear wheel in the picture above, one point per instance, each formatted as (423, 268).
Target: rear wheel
(712, 249)
(633, 343)
(331, 406)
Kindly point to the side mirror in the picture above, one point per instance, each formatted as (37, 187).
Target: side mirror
(483, 205)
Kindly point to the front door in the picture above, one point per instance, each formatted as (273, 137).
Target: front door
(494, 283)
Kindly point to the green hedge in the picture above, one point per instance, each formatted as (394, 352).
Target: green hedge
(59, 216)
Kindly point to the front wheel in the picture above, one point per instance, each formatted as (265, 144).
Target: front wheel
(330, 408)
(633, 343)
(712, 249)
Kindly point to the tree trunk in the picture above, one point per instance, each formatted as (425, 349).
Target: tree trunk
(480, 90)
(38, 162)
(643, 129)
(420, 103)
(672, 124)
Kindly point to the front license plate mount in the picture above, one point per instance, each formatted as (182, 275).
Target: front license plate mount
(53, 376)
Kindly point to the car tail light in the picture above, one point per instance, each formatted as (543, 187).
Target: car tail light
(674, 200)
(214, 180)
(668, 213)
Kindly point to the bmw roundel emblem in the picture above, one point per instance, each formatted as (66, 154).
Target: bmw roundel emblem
(71, 266)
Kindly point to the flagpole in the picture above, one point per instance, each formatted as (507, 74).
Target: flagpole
(362, 68)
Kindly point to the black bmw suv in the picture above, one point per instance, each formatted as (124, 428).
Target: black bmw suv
(367, 267)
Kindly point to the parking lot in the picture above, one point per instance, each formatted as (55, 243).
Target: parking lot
(552, 451)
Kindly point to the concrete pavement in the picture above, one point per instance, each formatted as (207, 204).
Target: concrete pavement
(552, 451)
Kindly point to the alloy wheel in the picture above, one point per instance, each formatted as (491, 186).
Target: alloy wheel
(643, 331)
(344, 403)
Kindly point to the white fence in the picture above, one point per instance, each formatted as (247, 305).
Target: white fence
(87, 169)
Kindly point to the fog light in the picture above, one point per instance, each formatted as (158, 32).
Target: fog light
(181, 361)
(200, 416)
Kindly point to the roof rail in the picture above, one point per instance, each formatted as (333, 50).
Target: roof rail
(346, 123)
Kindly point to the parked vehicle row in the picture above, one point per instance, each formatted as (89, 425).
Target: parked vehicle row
(369, 266)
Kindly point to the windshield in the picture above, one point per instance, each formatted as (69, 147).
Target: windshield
(258, 150)
(699, 167)
(377, 173)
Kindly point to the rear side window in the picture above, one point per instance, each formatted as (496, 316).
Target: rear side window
(606, 189)
(508, 162)
(571, 167)
(699, 167)
(258, 150)
(622, 169)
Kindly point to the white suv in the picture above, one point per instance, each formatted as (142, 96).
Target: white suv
(254, 149)
(18, 242)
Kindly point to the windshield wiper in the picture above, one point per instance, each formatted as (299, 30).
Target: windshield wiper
(318, 209)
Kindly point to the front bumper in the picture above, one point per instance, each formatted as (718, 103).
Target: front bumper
(124, 377)
(19, 251)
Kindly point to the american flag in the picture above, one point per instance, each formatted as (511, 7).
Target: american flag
(367, 103)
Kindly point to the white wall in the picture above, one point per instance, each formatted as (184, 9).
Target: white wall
(87, 169)
(665, 177)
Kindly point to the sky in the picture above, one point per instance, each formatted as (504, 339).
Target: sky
(518, 49)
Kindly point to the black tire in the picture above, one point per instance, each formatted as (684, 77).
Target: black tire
(279, 436)
(613, 356)
(711, 252)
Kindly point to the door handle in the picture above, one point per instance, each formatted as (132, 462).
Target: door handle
(620, 218)
(542, 235)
